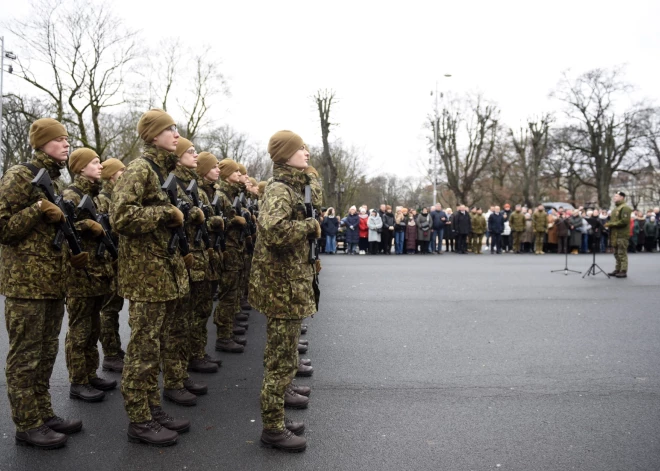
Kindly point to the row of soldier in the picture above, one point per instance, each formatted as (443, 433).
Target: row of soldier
(175, 250)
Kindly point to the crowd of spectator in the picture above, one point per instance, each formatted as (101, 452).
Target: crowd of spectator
(501, 230)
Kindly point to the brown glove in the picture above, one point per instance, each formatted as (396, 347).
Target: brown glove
(238, 220)
(196, 216)
(318, 266)
(79, 261)
(254, 219)
(210, 252)
(217, 224)
(51, 212)
(89, 225)
(314, 229)
(175, 217)
(188, 260)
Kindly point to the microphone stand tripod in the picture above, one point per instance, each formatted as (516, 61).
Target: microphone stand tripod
(594, 265)
(566, 270)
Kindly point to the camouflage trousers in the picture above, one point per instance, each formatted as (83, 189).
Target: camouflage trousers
(538, 241)
(280, 366)
(517, 239)
(110, 339)
(246, 276)
(228, 301)
(150, 325)
(476, 242)
(81, 344)
(34, 327)
(201, 306)
(621, 254)
(176, 349)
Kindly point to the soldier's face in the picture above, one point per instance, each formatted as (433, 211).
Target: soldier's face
(235, 177)
(245, 179)
(58, 148)
(189, 158)
(167, 139)
(299, 160)
(92, 171)
(616, 198)
(213, 174)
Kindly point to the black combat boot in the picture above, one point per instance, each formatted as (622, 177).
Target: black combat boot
(41, 437)
(303, 342)
(241, 324)
(305, 361)
(115, 364)
(245, 305)
(622, 274)
(180, 396)
(304, 370)
(240, 339)
(302, 348)
(200, 365)
(283, 440)
(103, 384)
(241, 317)
(151, 433)
(210, 359)
(169, 422)
(238, 330)
(61, 425)
(86, 392)
(197, 388)
(303, 329)
(302, 390)
(293, 400)
(228, 345)
(295, 427)
(614, 273)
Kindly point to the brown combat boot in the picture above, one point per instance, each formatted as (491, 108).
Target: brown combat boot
(228, 345)
(151, 433)
(304, 370)
(61, 425)
(210, 359)
(103, 384)
(293, 400)
(622, 274)
(283, 440)
(41, 437)
(115, 364)
(197, 388)
(169, 422)
(295, 427)
(86, 392)
(240, 339)
(180, 396)
(302, 390)
(200, 365)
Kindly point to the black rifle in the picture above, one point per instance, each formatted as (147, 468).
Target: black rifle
(178, 239)
(239, 204)
(219, 243)
(313, 255)
(202, 233)
(65, 229)
(105, 241)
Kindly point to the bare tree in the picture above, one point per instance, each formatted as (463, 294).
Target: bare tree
(605, 140)
(531, 149)
(324, 100)
(18, 114)
(651, 126)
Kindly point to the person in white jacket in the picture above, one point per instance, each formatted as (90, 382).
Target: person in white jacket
(375, 224)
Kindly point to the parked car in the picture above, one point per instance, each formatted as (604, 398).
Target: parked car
(556, 206)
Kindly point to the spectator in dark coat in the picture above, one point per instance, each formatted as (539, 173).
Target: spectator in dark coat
(387, 234)
(575, 236)
(449, 231)
(411, 233)
(438, 221)
(330, 226)
(462, 227)
(562, 233)
(423, 230)
(495, 228)
(352, 223)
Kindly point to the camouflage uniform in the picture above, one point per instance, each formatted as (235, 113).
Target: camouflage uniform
(619, 226)
(151, 278)
(540, 226)
(478, 229)
(517, 224)
(281, 283)
(31, 279)
(232, 263)
(84, 297)
(112, 302)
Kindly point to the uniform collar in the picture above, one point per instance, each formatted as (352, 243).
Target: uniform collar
(185, 174)
(292, 176)
(165, 159)
(86, 186)
(43, 160)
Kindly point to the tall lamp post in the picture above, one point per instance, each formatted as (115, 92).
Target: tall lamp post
(339, 189)
(11, 56)
(436, 131)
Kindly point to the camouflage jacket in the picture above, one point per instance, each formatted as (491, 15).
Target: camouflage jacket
(281, 277)
(201, 269)
(99, 268)
(619, 223)
(317, 192)
(30, 268)
(139, 213)
(517, 221)
(234, 233)
(479, 224)
(540, 221)
(104, 198)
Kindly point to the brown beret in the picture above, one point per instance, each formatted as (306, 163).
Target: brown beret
(183, 145)
(227, 167)
(152, 123)
(283, 144)
(79, 159)
(205, 163)
(110, 167)
(45, 130)
(242, 169)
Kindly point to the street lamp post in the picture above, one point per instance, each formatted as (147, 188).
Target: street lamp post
(436, 131)
(11, 56)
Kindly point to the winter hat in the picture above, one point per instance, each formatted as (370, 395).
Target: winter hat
(283, 144)
(183, 145)
(110, 167)
(262, 187)
(227, 167)
(45, 130)
(79, 158)
(253, 181)
(242, 169)
(152, 123)
(205, 163)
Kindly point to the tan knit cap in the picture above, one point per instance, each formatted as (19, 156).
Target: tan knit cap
(183, 145)
(152, 123)
(79, 158)
(45, 130)
(242, 169)
(262, 187)
(110, 167)
(253, 181)
(283, 144)
(227, 167)
(205, 163)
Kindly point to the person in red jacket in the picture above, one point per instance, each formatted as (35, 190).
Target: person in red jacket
(364, 231)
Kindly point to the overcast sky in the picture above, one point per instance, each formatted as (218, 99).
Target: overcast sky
(384, 58)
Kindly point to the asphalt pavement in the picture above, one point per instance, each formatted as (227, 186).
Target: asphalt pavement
(421, 362)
